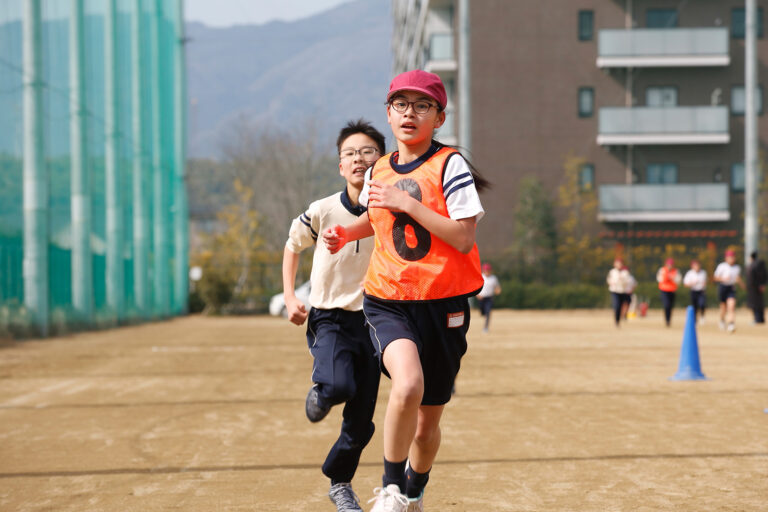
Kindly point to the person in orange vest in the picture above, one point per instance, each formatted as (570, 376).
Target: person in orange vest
(423, 208)
(669, 278)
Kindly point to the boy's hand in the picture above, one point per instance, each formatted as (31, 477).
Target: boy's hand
(381, 195)
(335, 238)
(297, 312)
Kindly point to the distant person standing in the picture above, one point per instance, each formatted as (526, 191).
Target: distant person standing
(621, 284)
(756, 280)
(491, 288)
(696, 280)
(668, 278)
(727, 275)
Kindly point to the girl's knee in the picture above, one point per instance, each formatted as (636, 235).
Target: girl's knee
(408, 391)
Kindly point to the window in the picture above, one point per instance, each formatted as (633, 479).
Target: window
(586, 101)
(661, 173)
(587, 177)
(737, 177)
(739, 22)
(586, 25)
(661, 97)
(661, 18)
(739, 101)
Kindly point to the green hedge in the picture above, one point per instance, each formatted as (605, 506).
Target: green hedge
(517, 295)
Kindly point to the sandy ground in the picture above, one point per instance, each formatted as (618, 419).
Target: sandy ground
(555, 411)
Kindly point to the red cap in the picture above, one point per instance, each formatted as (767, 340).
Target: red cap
(420, 81)
(485, 266)
(670, 261)
(730, 252)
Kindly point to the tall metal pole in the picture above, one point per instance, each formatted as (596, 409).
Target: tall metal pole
(35, 176)
(140, 213)
(465, 81)
(80, 181)
(751, 168)
(181, 211)
(159, 193)
(113, 196)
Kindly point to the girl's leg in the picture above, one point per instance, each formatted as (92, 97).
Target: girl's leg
(423, 449)
(427, 440)
(731, 307)
(617, 306)
(401, 359)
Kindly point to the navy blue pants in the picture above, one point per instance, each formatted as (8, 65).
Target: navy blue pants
(698, 301)
(668, 300)
(345, 369)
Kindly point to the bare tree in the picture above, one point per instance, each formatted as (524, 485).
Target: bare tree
(286, 170)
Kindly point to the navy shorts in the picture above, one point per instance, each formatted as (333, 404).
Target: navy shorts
(439, 330)
(725, 292)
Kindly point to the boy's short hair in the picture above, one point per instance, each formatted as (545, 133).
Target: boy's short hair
(364, 127)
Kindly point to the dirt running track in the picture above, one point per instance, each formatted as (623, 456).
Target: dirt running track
(554, 412)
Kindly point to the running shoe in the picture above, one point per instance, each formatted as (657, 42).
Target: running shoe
(416, 504)
(344, 498)
(389, 499)
(731, 328)
(314, 411)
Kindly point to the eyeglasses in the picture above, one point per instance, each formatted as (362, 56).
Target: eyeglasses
(419, 106)
(367, 152)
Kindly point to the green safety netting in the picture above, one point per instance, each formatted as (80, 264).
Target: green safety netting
(93, 213)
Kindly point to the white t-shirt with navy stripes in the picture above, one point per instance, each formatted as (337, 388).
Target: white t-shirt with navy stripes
(461, 196)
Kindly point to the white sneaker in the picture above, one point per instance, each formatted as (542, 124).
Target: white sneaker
(731, 327)
(722, 325)
(416, 504)
(389, 499)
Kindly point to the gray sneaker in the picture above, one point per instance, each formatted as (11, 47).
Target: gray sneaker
(314, 412)
(344, 498)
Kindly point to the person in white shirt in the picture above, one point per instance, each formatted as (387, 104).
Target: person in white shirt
(345, 368)
(727, 275)
(696, 280)
(491, 288)
(621, 284)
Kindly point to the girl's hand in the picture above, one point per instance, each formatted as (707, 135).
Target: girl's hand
(335, 238)
(381, 195)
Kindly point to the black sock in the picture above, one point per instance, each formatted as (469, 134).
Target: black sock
(415, 482)
(394, 473)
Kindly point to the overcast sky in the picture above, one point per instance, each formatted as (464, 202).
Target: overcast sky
(222, 13)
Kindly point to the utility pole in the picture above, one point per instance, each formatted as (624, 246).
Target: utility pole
(751, 168)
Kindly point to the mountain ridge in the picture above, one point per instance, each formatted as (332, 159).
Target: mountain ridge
(325, 69)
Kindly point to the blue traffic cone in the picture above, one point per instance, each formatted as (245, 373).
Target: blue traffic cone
(690, 367)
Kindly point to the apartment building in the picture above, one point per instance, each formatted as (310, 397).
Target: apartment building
(649, 94)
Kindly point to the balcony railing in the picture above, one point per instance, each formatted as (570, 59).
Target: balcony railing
(705, 202)
(653, 47)
(663, 125)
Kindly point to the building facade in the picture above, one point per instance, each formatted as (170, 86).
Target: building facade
(647, 96)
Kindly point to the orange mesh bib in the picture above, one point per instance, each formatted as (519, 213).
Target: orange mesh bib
(408, 262)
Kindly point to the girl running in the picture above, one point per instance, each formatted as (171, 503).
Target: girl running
(696, 280)
(423, 206)
(621, 284)
(668, 278)
(727, 275)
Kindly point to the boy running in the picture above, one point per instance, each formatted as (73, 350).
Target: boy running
(345, 367)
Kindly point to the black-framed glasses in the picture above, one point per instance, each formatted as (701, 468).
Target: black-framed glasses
(419, 106)
(367, 152)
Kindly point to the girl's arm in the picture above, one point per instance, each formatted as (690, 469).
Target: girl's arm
(460, 234)
(336, 237)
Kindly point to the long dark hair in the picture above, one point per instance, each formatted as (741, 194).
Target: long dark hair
(481, 183)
